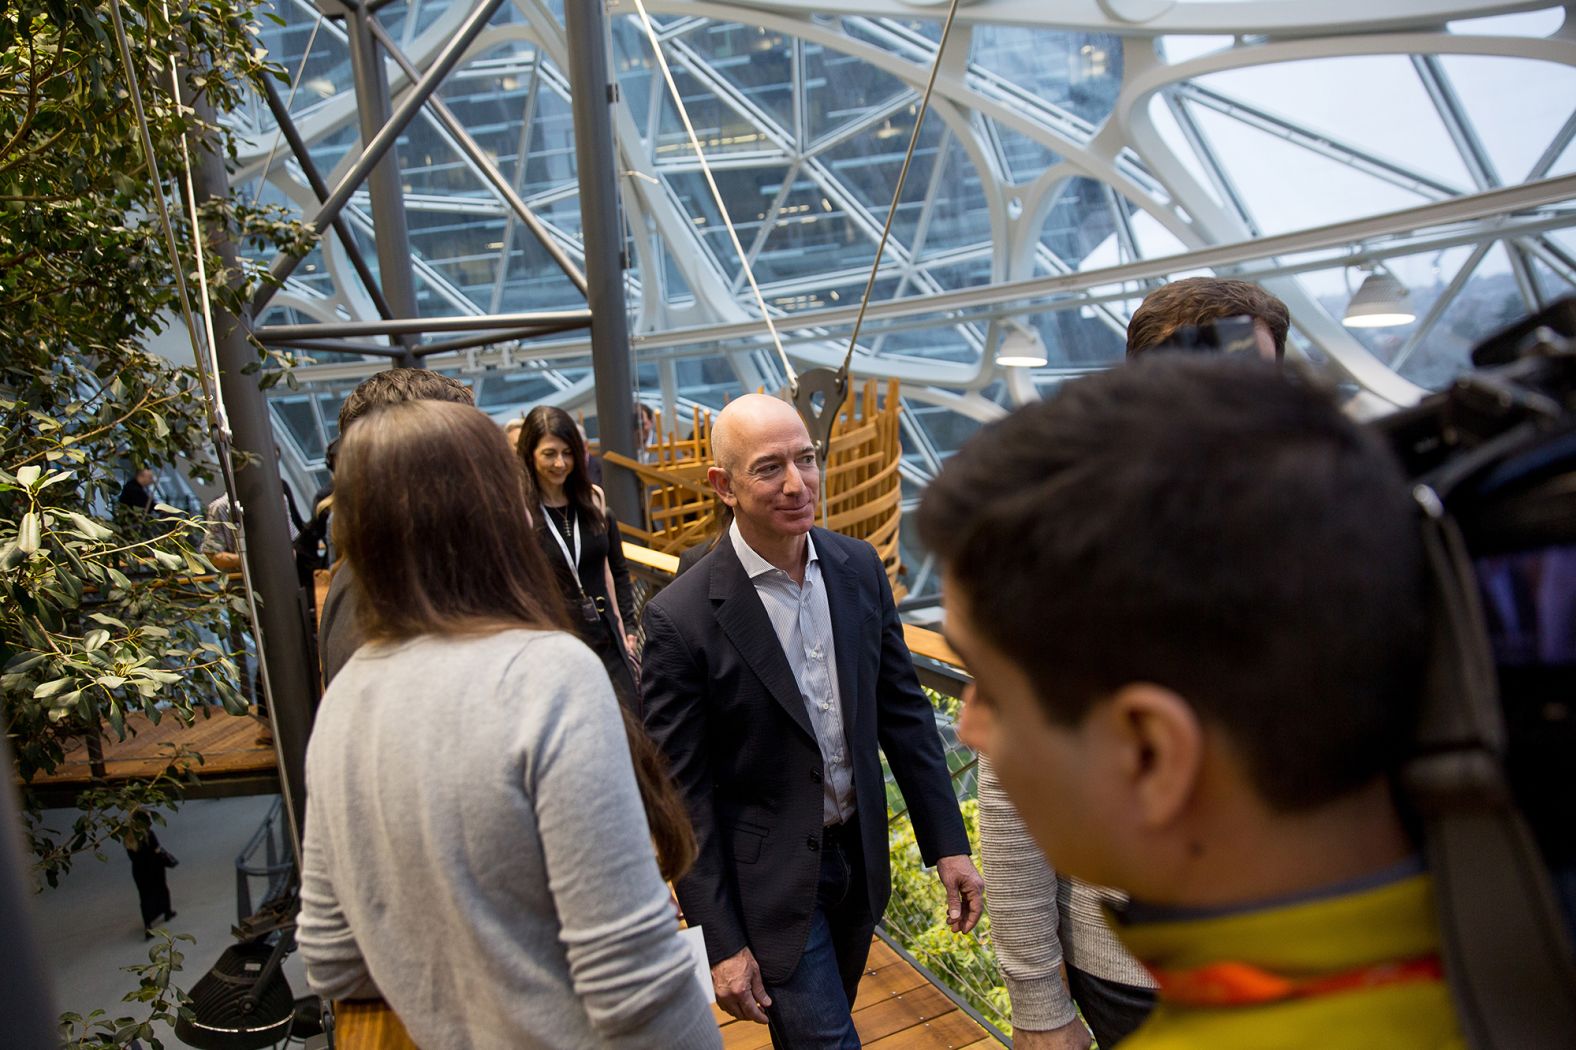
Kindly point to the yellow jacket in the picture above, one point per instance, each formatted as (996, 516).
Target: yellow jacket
(1348, 941)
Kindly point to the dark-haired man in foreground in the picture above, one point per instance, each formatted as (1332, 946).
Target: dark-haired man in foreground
(339, 635)
(1220, 671)
(1044, 924)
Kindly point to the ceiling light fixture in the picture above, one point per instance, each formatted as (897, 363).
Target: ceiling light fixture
(1021, 346)
(1380, 302)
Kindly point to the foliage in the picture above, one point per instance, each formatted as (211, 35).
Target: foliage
(106, 612)
(916, 916)
(163, 1002)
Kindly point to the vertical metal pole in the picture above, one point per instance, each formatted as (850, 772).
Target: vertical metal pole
(291, 678)
(591, 99)
(373, 109)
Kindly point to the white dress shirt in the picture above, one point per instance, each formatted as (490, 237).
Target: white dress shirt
(803, 622)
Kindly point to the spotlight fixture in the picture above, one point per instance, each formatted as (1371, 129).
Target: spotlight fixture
(1380, 302)
(1020, 346)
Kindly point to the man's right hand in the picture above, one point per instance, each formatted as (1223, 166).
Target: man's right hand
(737, 982)
(1070, 1036)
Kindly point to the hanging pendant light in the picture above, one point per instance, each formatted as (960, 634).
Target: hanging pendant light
(1020, 346)
(1380, 302)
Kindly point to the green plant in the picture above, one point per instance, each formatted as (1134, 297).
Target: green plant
(102, 614)
(164, 1003)
(916, 916)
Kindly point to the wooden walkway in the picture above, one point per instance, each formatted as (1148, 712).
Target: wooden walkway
(234, 762)
(897, 1009)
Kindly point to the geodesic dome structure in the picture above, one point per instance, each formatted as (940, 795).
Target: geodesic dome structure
(1074, 155)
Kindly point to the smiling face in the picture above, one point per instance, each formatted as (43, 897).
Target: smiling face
(767, 470)
(554, 461)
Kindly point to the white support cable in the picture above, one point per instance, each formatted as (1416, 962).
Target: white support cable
(722, 208)
(279, 130)
(902, 178)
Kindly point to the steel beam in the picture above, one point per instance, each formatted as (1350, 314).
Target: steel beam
(285, 263)
(290, 673)
(420, 325)
(485, 165)
(451, 345)
(389, 229)
(591, 98)
(314, 179)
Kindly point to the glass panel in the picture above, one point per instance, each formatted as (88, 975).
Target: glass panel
(1516, 106)
(1076, 73)
(868, 165)
(748, 192)
(1077, 337)
(720, 128)
(1286, 187)
(326, 72)
(1374, 103)
(1171, 135)
(1022, 158)
(959, 213)
(813, 236)
(1079, 221)
(840, 88)
(755, 60)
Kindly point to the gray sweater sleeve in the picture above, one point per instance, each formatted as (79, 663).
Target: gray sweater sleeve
(1021, 888)
(626, 962)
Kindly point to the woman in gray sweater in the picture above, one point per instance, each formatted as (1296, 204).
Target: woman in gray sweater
(479, 845)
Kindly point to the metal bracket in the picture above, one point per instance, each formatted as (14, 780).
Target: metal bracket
(818, 396)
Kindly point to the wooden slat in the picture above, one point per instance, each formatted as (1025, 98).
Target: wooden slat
(924, 642)
(955, 1029)
(227, 743)
(897, 1009)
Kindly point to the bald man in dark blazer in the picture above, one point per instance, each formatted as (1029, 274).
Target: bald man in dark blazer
(772, 671)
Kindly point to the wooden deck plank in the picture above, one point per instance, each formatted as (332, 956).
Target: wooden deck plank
(228, 743)
(902, 1011)
(897, 1009)
(955, 1029)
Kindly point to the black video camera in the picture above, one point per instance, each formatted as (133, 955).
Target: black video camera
(1492, 461)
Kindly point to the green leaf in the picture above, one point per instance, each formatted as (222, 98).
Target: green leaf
(11, 556)
(27, 533)
(168, 560)
(96, 639)
(110, 681)
(88, 527)
(23, 662)
(27, 477)
(107, 620)
(49, 689)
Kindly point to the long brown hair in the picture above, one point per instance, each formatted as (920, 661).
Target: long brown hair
(546, 421)
(431, 514)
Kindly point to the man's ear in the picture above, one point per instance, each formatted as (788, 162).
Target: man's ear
(1162, 744)
(722, 484)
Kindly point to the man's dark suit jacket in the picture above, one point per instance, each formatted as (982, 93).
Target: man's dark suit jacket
(722, 703)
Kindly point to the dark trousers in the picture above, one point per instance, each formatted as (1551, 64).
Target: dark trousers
(812, 1009)
(148, 864)
(1112, 1010)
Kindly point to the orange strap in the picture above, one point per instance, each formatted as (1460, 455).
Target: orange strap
(1242, 984)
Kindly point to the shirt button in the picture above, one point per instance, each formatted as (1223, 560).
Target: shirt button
(814, 844)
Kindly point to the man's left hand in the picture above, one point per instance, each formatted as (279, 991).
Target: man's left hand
(965, 892)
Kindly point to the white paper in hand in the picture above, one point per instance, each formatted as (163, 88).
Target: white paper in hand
(691, 936)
